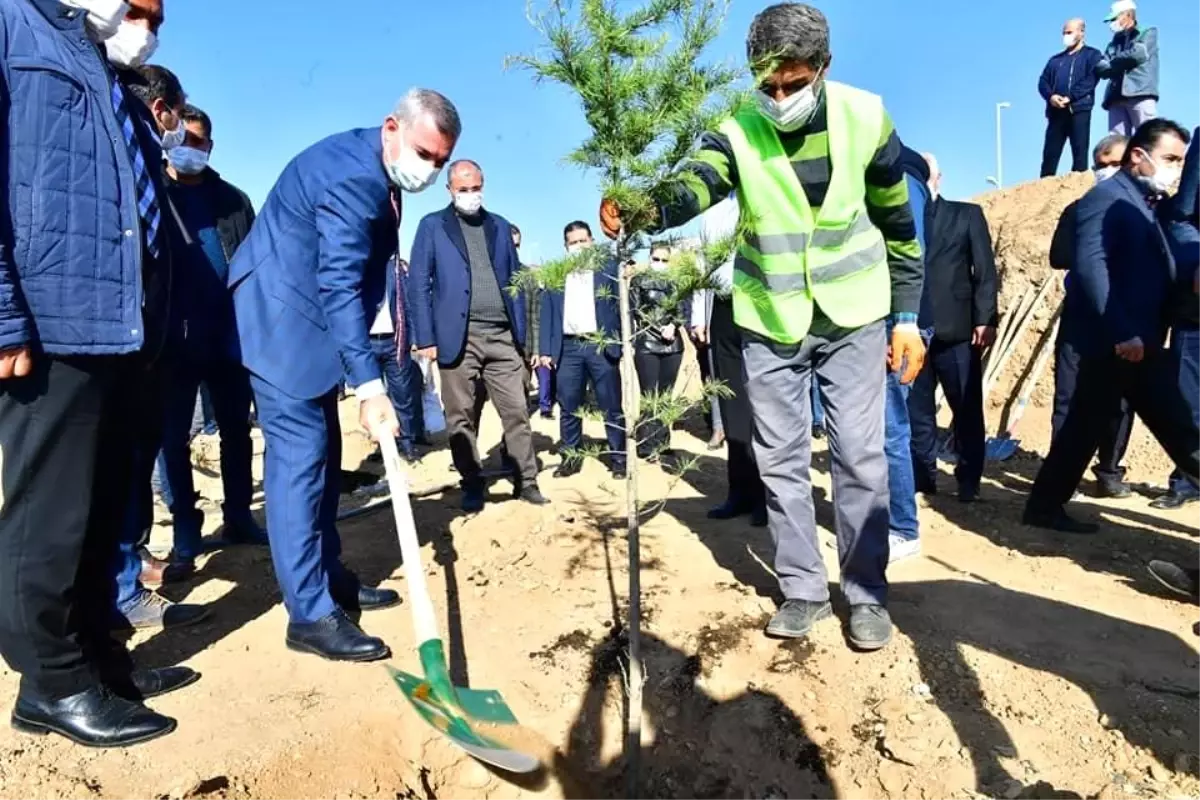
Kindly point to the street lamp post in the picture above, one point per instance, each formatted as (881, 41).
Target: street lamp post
(998, 179)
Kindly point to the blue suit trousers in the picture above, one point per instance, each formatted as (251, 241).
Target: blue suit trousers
(302, 476)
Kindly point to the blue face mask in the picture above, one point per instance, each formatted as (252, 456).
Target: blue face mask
(188, 160)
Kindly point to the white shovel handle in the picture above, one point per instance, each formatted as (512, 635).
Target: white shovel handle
(424, 622)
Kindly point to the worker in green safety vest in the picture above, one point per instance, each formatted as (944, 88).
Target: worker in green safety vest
(830, 265)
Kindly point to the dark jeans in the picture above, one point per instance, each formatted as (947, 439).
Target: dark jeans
(818, 410)
(656, 375)
(1185, 355)
(491, 359)
(1062, 125)
(1152, 389)
(902, 492)
(583, 363)
(228, 385)
(68, 433)
(1113, 434)
(745, 483)
(958, 368)
(404, 386)
(547, 377)
(126, 562)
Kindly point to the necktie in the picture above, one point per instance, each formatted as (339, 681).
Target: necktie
(147, 199)
(400, 326)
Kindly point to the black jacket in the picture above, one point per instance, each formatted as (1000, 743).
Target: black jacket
(201, 301)
(654, 307)
(960, 271)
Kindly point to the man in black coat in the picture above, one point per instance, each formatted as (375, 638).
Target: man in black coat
(958, 310)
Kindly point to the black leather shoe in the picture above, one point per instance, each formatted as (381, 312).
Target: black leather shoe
(336, 638)
(619, 472)
(533, 495)
(142, 684)
(366, 598)
(473, 499)
(568, 468)
(1115, 489)
(1059, 521)
(93, 718)
(1173, 500)
(758, 517)
(968, 494)
(730, 509)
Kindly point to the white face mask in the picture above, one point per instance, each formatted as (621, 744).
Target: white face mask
(1115, 26)
(1104, 173)
(171, 140)
(411, 172)
(1069, 40)
(188, 160)
(578, 247)
(131, 46)
(103, 16)
(1163, 179)
(794, 111)
(468, 203)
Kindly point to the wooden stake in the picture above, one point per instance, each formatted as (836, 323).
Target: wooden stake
(1018, 333)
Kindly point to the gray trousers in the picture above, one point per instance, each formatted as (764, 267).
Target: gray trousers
(1124, 116)
(850, 370)
(490, 359)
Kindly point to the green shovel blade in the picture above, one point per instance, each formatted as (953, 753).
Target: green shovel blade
(450, 709)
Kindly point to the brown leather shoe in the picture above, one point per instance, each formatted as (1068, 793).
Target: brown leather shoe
(156, 572)
(153, 570)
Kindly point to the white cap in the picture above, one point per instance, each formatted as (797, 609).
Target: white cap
(1120, 7)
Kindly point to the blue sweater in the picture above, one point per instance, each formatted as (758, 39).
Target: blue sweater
(1074, 75)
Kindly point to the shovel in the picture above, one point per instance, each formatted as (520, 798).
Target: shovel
(471, 718)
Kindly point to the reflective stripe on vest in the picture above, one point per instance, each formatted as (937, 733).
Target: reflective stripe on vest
(789, 259)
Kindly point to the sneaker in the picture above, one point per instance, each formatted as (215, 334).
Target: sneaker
(717, 441)
(152, 610)
(795, 618)
(1179, 580)
(900, 548)
(870, 627)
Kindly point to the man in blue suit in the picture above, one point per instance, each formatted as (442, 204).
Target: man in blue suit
(306, 283)
(1118, 299)
(463, 260)
(572, 318)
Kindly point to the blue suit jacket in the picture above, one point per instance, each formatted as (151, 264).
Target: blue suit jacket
(1123, 276)
(608, 315)
(312, 271)
(439, 275)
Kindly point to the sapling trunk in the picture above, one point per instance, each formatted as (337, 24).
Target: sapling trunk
(630, 408)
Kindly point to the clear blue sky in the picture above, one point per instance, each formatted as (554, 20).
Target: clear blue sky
(277, 77)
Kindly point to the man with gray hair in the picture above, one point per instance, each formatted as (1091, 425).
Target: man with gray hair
(306, 284)
(463, 260)
(831, 258)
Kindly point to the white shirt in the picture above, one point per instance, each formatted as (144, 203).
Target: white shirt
(382, 326)
(579, 303)
(716, 223)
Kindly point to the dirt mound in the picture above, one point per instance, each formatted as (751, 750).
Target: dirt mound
(1022, 220)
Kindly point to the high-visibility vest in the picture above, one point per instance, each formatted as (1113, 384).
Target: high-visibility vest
(789, 258)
